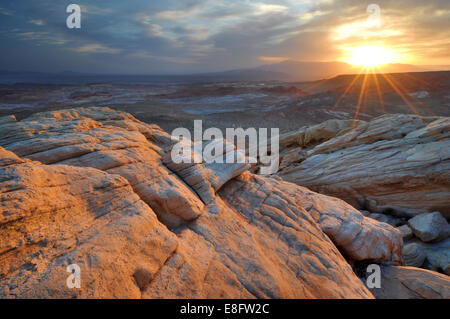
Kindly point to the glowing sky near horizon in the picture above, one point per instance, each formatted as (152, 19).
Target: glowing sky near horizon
(203, 35)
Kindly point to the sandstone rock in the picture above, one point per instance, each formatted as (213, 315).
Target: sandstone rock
(413, 255)
(358, 237)
(53, 216)
(310, 135)
(112, 141)
(71, 215)
(399, 161)
(412, 283)
(226, 255)
(406, 232)
(385, 219)
(384, 128)
(438, 256)
(430, 226)
(434, 256)
(292, 156)
(207, 177)
(266, 239)
(365, 213)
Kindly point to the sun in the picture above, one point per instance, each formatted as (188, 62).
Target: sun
(370, 56)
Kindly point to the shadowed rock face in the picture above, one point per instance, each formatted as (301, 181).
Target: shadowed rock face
(89, 187)
(412, 283)
(397, 162)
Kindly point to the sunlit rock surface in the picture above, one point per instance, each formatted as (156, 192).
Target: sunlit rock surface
(397, 163)
(89, 187)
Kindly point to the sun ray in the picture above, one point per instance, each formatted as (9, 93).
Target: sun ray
(355, 78)
(317, 84)
(380, 96)
(360, 98)
(401, 88)
(402, 96)
(417, 79)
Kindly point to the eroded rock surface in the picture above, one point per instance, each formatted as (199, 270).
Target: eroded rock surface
(434, 256)
(398, 163)
(412, 283)
(54, 216)
(112, 141)
(358, 237)
(430, 226)
(89, 187)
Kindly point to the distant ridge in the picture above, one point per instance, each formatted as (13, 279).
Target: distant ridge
(288, 70)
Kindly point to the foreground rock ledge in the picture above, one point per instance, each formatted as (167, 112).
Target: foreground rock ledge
(89, 187)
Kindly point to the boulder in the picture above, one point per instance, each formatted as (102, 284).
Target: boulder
(433, 256)
(412, 283)
(386, 219)
(430, 226)
(406, 232)
(414, 254)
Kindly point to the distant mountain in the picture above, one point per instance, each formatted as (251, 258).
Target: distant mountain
(437, 67)
(307, 71)
(288, 70)
(310, 71)
(291, 70)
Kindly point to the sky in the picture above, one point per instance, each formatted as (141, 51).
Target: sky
(188, 36)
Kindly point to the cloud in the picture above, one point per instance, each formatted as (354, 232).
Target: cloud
(172, 14)
(202, 35)
(96, 48)
(184, 9)
(6, 12)
(91, 9)
(312, 14)
(41, 37)
(193, 33)
(37, 22)
(262, 8)
(272, 59)
(154, 30)
(171, 59)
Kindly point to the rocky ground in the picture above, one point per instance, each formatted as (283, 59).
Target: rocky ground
(395, 169)
(287, 106)
(95, 187)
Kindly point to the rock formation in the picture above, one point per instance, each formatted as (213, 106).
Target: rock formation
(430, 227)
(411, 283)
(395, 167)
(94, 187)
(394, 163)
